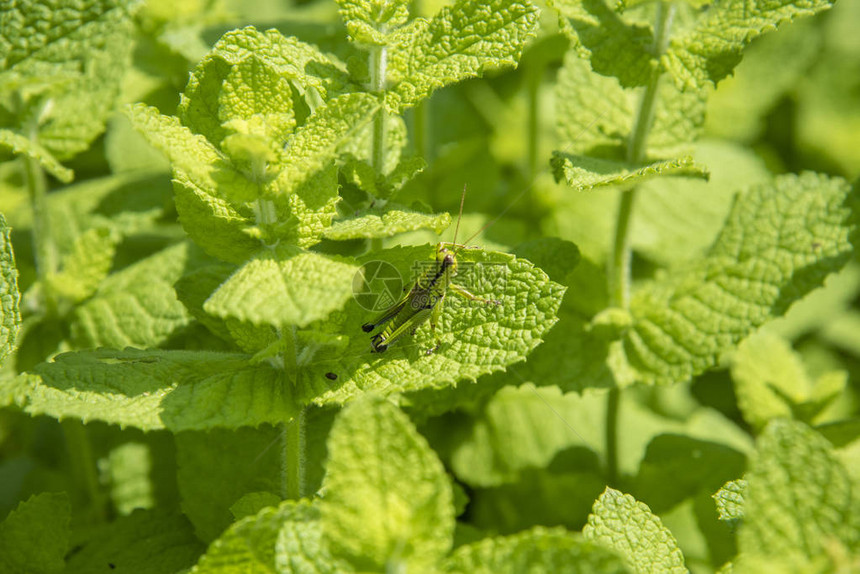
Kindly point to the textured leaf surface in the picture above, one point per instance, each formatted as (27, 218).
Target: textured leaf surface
(536, 550)
(315, 144)
(730, 501)
(780, 241)
(136, 306)
(370, 21)
(145, 542)
(313, 72)
(10, 319)
(386, 224)
(626, 525)
(283, 288)
(614, 46)
(150, 390)
(460, 42)
(585, 173)
(711, 49)
(283, 539)
(388, 501)
(768, 375)
(35, 536)
(18, 144)
(79, 52)
(475, 338)
(192, 155)
(798, 495)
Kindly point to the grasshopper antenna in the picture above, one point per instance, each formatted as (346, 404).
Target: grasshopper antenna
(460, 214)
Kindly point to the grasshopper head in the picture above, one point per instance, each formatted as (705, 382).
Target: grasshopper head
(446, 260)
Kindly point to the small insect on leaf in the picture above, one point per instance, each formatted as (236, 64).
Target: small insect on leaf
(425, 299)
(331, 376)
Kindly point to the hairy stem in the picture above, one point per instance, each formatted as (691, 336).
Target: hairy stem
(612, 401)
(620, 262)
(295, 458)
(43, 242)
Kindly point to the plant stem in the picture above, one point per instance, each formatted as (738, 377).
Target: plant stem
(620, 270)
(83, 465)
(45, 251)
(378, 62)
(612, 401)
(294, 457)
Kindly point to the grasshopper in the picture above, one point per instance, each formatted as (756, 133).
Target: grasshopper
(425, 298)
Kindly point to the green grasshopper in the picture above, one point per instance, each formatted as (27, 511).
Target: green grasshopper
(425, 298)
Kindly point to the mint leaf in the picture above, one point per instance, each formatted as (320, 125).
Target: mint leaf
(539, 549)
(10, 319)
(315, 144)
(395, 174)
(730, 501)
(798, 498)
(315, 75)
(709, 51)
(386, 222)
(254, 97)
(151, 390)
(144, 542)
(74, 55)
(136, 306)
(192, 155)
(596, 114)
(211, 485)
(780, 241)
(283, 539)
(475, 338)
(615, 47)
(462, 41)
(84, 268)
(213, 223)
(585, 173)
(302, 545)
(20, 145)
(388, 502)
(282, 288)
(35, 536)
(620, 522)
(370, 21)
(771, 382)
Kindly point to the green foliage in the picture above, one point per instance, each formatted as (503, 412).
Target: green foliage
(35, 536)
(8, 294)
(621, 522)
(187, 376)
(372, 439)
